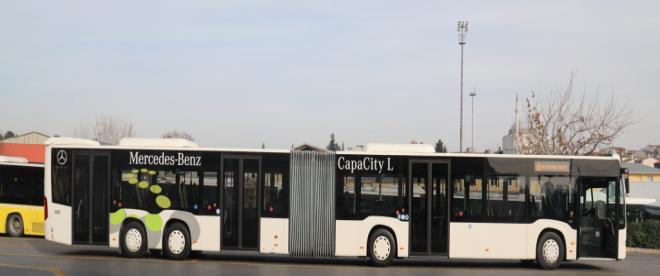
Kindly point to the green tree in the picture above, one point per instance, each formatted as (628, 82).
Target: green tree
(440, 146)
(333, 146)
(9, 134)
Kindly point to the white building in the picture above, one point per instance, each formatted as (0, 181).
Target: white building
(650, 162)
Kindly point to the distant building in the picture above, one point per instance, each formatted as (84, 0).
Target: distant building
(621, 151)
(29, 146)
(639, 173)
(639, 154)
(650, 162)
(33, 137)
(652, 150)
(644, 193)
(509, 141)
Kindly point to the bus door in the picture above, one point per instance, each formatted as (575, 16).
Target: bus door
(428, 207)
(598, 233)
(240, 203)
(91, 176)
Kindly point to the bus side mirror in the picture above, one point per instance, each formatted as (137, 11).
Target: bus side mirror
(627, 182)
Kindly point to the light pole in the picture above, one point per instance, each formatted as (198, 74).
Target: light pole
(472, 94)
(462, 30)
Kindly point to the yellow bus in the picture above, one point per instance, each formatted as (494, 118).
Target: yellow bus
(21, 197)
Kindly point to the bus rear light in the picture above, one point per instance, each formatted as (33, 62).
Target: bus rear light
(45, 207)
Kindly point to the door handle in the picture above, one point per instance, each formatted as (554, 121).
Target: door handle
(78, 209)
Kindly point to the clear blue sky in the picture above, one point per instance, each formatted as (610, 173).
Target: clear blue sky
(239, 73)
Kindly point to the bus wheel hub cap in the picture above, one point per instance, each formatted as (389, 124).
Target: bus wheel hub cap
(133, 240)
(551, 251)
(15, 225)
(176, 242)
(382, 248)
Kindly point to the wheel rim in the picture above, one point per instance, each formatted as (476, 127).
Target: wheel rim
(176, 242)
(382, 248)
(15, 225)
(551, 251)
(133, 240)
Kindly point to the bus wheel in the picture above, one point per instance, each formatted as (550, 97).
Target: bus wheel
(133, 240)
(381, 247)
(15, 225)
(549, 251)
(176, 242)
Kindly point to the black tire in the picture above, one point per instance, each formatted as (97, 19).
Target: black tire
(14, 225)
(176, 241)
(550, 251)
(381, 247)
(136, 244)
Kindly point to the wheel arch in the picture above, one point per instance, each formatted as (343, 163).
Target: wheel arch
(556, 231)
(173, 221)
(389, 229)
(129, 219)
(164, 234)
(123, 227)
(11, 213)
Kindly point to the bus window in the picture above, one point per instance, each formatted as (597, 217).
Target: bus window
(181, 187)
(21, 185)
(467, 189)
(275, 189)
(346, 197)
(209, 193)
(622, 206)
(551, 197)
(381, 196)
(467, 200)
(61, 184)
(505, 198)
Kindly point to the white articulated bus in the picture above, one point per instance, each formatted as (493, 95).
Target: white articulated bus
(382, 202)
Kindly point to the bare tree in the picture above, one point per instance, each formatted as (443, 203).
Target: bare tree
(178, 134)
(568, 124)
(82, 131)
(106, 130)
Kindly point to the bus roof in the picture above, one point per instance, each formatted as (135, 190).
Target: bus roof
(12, 159)
(422, 150)
(17, 161)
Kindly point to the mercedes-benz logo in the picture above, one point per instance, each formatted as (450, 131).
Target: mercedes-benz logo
(61, 157)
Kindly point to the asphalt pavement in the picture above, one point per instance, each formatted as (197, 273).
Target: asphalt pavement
(35, 256)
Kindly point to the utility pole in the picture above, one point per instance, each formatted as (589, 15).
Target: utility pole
(472, 94)
(462, 30)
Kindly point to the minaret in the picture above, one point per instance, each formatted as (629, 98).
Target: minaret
(517, 138)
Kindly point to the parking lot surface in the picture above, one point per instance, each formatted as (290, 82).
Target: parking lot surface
(35, 256)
